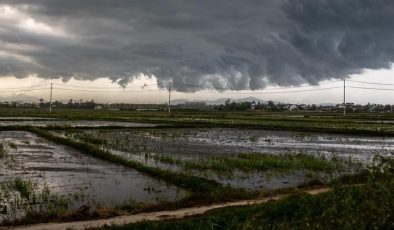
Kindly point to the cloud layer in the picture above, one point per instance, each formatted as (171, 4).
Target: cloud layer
(222, 44)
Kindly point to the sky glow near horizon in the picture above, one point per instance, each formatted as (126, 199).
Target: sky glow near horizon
(358, 96)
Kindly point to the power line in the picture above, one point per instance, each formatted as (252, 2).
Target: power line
(109, 91)
(25, 87)
(355, 87)
(102, 87)
(21, 90)
(372, 83)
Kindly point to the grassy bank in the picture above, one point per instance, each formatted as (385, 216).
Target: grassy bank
(368, 206)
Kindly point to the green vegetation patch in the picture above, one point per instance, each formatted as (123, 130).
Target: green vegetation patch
(24, 201)
(367, 206)
(262, 162)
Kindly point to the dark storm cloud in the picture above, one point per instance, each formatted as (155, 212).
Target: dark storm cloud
(223, 43)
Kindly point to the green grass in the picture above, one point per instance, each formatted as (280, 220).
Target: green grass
(25, 187)
(280, 163)
(367, 206)
(354, 123)
(24, 201)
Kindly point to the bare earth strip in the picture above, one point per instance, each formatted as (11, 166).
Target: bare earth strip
(154, 216)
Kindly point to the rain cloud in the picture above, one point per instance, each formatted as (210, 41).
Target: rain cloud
(224, 44)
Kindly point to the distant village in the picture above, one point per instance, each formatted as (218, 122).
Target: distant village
(228, 105)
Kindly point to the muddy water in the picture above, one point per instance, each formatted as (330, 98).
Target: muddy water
(26, 118)
(200, 142)
(68, 123)
(83, 180)
(237, 179)
(187, 144)
(264, 141)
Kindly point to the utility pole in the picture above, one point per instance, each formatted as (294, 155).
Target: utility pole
(344, 97)
(50, 99)
(169, 99)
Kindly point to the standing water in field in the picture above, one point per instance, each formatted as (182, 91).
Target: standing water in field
(202, 142)
(32, 163)
(239, 157)
(50, 122)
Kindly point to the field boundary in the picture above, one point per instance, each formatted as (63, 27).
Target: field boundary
(157, 216)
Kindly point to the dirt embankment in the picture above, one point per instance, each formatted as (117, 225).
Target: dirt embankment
(154, 216)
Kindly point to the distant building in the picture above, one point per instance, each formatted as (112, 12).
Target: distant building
(293, 107)
(253, 105)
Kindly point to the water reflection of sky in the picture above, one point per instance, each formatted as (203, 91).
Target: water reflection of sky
(197, 142)
(70, 123)
(68, 172)
(194, 144)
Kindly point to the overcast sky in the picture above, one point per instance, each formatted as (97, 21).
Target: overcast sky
(237, 47)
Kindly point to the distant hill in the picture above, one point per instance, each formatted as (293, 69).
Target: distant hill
(20, 97)
(179, 101)
(218, 101)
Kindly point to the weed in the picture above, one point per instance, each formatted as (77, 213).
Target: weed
(25, 188)
(3, 151)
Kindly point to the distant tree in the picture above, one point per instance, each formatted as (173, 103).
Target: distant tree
(41, 103)
(271, 106)
(313, 107)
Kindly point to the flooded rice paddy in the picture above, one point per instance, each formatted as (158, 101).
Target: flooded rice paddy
(75, 178)
(25, 118)
(191, 143)
(42, 122)
(177, 149)
(241, 158)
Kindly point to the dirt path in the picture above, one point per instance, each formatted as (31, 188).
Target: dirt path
(152, 216)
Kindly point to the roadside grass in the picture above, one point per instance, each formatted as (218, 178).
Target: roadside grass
(366, 206)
